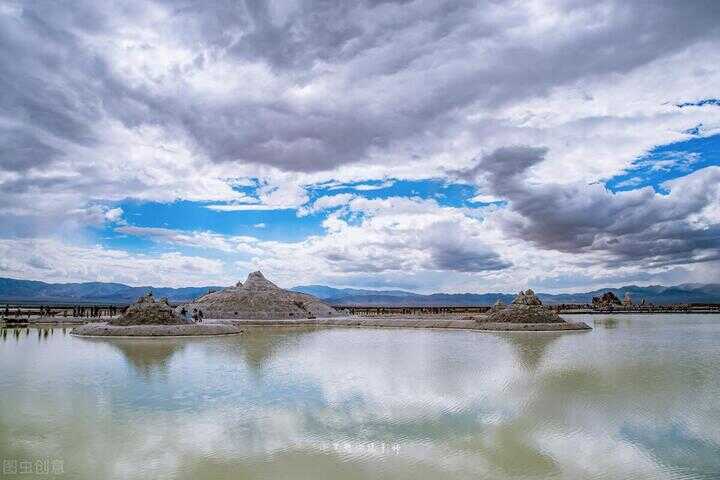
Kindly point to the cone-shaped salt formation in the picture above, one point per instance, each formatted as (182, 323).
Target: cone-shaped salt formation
(259, 298)
(526, 308)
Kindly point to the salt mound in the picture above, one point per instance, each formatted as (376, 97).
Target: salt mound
(148, 311)
(526, 308)
(607, 300)
(259, 298)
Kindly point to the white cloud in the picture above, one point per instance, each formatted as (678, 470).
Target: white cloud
(484, 198)
(327, 202)
(114, 215)
(205, 240)
(56, 261)
(245, 207)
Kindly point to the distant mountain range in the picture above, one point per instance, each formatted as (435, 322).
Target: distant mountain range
(99, 292)
(657, 294)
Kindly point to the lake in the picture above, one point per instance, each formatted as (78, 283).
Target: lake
(638, 397)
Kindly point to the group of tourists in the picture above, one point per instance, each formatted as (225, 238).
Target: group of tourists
(197, 315)
(76, 311)
(97, 311)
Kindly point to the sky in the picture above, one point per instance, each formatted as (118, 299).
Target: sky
(456, 146)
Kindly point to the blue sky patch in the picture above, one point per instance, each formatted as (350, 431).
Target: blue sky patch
(282, 225)
(445, 193)
(667, 162)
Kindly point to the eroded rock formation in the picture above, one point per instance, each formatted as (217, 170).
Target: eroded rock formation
(148, 311)
(527, 298)
(607, 300)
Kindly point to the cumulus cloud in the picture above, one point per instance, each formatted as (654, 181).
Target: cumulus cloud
(630, 226)
(323, 84)
(56, 261)
(400, 237)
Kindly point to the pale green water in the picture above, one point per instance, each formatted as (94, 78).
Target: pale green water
(636, 398)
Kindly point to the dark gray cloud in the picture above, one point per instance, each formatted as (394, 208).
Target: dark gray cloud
(21, 151)
(458, 259)
(639, 225)
(403, 71)
(430, 79)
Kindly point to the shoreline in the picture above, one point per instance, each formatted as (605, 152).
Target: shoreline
(414, 322)
(215, 327)
(156, 331)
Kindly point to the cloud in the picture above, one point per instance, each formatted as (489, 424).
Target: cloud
(21, 151)
(55, 261)
(245, 207)
(364, 187)
(283, 194)
(631, 226)
(408, 236)
(321, 85)
(401, 237)
(327, 202)
(204, 240)
(114, 215)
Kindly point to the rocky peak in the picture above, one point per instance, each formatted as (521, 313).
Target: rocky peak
(627, 300)
(148, 311)
(607, 299)
(257, 281)
(147, 298)
(527, 297)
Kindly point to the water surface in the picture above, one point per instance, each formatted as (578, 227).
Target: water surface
(636, 398)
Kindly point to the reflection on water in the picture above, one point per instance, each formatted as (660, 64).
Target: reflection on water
(145, 355)
(530, 347)
(637, 397)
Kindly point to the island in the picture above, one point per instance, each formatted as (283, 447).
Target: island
(149, 317)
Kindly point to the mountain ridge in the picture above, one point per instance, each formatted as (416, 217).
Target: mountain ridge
(111, 292)
(86, 292)
(658, 294)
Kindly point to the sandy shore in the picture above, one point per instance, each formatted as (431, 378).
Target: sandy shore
(192, 330)
(411, 322)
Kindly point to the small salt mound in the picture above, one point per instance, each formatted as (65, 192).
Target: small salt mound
(526, 308)
(148, 311)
